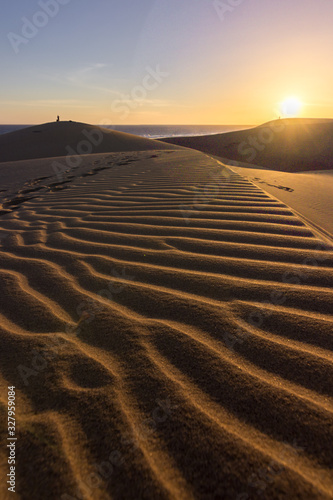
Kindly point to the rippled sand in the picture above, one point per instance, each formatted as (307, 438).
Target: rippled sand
(168, 328)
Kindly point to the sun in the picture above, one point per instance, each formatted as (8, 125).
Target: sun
(291, 107)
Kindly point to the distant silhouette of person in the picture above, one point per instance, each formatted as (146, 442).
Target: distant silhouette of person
(58, 118)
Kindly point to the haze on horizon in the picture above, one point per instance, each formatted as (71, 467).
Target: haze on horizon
(165, 62)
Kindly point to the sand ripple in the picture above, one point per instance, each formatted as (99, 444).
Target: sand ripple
(168, 327)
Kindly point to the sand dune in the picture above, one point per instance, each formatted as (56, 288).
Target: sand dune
(309, 194)
(168, 328)
(69, 138)
(288, 145)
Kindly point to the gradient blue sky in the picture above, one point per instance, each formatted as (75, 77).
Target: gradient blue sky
(91, 62)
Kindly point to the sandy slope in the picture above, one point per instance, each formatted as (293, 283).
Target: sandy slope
(288, 145)
(308, 193)
(177, 322)
(69, 138)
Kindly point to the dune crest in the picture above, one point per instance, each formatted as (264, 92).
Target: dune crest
(287, 145)
(69, 138)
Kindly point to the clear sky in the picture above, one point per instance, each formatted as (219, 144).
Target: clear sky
(164, 61)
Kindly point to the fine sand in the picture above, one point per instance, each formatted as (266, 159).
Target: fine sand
(67, 139)
(288, 145)
(310, 194)
(168, 328)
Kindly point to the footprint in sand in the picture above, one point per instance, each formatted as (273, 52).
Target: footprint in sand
(16, 201)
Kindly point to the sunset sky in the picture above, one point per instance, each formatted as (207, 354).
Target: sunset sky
(165, 61)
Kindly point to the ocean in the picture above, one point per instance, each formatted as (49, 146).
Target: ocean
(156, 131)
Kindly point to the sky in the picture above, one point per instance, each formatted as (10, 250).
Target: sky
(165, 61)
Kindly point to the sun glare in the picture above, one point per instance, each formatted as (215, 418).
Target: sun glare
(291, 107)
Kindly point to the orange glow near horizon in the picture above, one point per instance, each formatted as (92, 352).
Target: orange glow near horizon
(244, 114)
(231, 113)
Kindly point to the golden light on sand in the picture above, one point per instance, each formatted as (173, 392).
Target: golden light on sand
(291, 107)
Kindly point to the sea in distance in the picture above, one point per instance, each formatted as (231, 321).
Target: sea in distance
(156, 131)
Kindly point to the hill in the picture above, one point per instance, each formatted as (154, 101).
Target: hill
(69, 138)
(290, 145)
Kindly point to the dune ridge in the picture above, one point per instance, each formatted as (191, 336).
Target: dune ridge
(177, 324)
(286, 145)
(56, 139)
